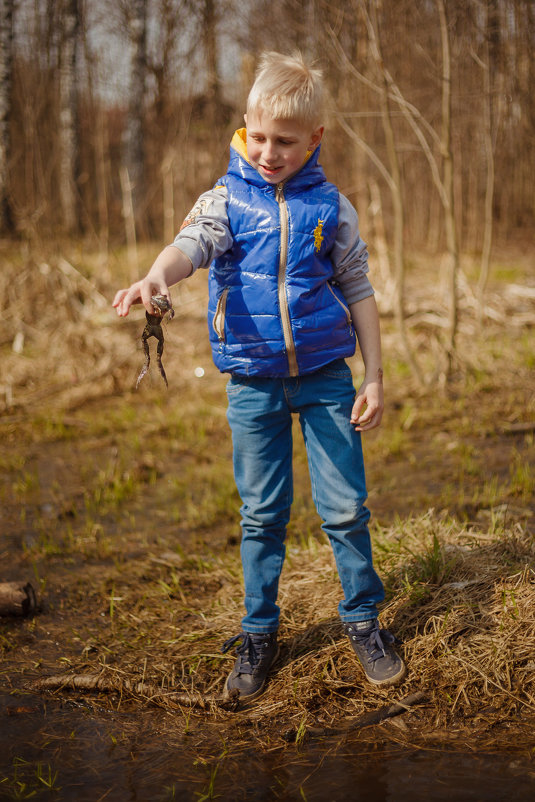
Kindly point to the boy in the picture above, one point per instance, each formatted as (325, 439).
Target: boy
(288, 297)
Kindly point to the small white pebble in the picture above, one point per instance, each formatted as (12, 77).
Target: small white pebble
(18, 342)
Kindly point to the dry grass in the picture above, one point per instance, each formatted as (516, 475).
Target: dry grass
(62, 342)
(460, 600)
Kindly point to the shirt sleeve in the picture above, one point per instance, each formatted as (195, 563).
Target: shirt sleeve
(349, 255)
(204, 235)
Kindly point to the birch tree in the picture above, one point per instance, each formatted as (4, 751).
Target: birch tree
(491, 114)
(68, 115)
(209, 34)
(6, 84)
(445, 185)
(390, 171)
(133, 167)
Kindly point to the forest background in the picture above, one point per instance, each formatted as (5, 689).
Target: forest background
(155, 87)
(115, 116)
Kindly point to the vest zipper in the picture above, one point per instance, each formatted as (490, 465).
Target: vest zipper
(281, 283)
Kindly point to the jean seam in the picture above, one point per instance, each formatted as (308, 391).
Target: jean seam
(261, 631)
(349, 619)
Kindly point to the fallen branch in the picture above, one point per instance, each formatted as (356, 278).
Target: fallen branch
(16, 599)
(147, 690)
(519, 428)
(71, 272)
(375, 717)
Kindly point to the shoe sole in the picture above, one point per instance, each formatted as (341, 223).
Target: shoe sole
(250, 697)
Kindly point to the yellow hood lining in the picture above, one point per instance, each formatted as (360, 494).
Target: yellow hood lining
(239, 143)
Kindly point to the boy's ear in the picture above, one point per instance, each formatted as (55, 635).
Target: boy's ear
(245, 120)
(315, 139)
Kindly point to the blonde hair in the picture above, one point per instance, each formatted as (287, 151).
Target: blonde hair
(286, 88)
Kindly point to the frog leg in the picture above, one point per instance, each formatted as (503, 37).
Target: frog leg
(144, 339)
(159, 352)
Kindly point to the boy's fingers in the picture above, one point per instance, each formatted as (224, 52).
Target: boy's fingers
(357, 409)
(118, 297)
(150, 288)
(119, 303)
(367, 418)
(371, 418)
(125, 298)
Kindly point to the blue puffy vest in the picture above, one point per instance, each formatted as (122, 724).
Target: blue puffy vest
(273, 310)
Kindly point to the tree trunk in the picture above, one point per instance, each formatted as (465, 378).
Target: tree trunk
(492, 50)
(68, 116)
(133, 137)
(6, 84)
(395, 190)
(447, 180)
(213, 88)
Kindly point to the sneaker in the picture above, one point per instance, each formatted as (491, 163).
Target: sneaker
(373, 647)
(256, 655)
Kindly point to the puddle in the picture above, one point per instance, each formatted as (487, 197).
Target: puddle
(69, 751)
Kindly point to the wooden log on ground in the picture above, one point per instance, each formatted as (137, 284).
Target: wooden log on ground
(107, 683)
(16, 599)
(519, 428)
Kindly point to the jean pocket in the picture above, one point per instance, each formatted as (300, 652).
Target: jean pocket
(236, 384)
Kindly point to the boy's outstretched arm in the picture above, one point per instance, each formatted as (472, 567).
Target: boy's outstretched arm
(169, 267)
(369, 403)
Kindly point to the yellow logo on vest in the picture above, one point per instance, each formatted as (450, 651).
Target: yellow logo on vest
(318, 235)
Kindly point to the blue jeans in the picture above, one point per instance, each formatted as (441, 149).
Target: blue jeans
(260, 416)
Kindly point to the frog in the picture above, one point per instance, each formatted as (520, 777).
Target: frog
(153, 328)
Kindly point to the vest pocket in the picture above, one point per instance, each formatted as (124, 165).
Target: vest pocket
(219, 316)
(342, 304)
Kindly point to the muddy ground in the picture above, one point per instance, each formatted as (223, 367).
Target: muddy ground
(119, 508)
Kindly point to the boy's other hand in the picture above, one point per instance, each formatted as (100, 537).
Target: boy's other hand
(368, 408)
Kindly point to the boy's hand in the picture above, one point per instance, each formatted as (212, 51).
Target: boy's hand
(170, 266)
(140, 292)
(368, 408)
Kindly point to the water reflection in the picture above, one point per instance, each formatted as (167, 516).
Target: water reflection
(70, 752)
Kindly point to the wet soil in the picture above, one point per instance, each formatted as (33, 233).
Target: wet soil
(122, 755)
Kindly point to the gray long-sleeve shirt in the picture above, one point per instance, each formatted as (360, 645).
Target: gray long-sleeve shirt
(205, 235)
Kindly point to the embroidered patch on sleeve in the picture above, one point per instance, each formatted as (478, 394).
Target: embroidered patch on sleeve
(199, 210)
(318, 235)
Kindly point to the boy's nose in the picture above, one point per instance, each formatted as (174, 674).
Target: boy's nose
(269, 152)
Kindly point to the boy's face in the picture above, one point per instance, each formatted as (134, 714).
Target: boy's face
(278, 148)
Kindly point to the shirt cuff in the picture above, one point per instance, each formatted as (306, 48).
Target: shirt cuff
(355, 288)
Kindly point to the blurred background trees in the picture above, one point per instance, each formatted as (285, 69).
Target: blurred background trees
(114, 115)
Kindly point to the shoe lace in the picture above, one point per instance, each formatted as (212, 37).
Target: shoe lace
(249, 651)
(373, 640)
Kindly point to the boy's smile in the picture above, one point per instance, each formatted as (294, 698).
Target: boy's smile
(278, 148)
